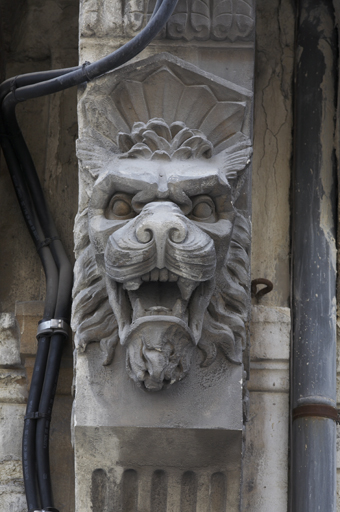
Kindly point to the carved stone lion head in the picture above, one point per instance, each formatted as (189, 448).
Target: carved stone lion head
(162, 252)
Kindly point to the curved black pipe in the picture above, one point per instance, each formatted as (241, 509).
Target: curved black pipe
(51, 273)
(31, 78)
(23, 170)
(88, 72)
(59, 285)
(19, 185)
(44, 216)
(30, 424)
(43, 423)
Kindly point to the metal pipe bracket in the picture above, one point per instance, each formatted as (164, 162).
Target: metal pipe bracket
(53, 326)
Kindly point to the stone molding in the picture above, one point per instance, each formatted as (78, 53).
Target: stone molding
(200, 20)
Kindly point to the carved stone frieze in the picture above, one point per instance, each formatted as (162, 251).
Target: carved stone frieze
(219, 20)
(162, 252)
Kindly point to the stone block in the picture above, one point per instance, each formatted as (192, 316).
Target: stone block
(189, 436)
(12, 498)
(265, 474)
(9, 340)
(270, 333)
(207, 398)
(13, 387)
(61, 454)
(65, 375)
(10, 470)
(160, 298)
(28, 315)
(266, 453)
(175, 470)
(11, 426)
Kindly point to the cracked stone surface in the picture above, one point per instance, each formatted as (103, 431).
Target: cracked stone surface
(273, 147)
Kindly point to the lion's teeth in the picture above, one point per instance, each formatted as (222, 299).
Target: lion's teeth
(186, 287)
(133, 284)
(163, 275)
(154, 274)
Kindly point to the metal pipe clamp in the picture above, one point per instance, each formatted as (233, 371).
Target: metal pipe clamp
(54, 326)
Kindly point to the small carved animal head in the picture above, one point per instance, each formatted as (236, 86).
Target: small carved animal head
(166, 269)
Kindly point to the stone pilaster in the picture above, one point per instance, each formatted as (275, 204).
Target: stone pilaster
(265, 475)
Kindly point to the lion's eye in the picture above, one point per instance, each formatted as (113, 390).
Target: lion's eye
(203, 209)
(119, 207)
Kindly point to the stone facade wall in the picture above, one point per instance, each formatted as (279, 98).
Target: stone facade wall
(45, 36)
(275, 24)
(36, 35)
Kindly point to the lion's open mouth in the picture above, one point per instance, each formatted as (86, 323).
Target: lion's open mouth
(160, 317)
(163, 293)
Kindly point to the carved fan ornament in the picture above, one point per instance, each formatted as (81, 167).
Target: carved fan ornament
(162, 253)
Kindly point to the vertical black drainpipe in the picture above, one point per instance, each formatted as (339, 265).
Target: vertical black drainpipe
(313, 477)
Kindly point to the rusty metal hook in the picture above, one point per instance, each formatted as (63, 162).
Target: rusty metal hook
(259, 294)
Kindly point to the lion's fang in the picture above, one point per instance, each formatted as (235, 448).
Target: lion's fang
(138, 310)
(186, 287)
(133, 284)
(178, 308)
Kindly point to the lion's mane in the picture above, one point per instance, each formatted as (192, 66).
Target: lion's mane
(226, 316)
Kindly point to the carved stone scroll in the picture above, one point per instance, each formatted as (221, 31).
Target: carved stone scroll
(162, 253)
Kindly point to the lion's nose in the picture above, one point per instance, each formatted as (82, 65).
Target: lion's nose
(161, 229)
(162, 223)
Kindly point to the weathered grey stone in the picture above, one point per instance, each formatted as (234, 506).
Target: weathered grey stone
(107, 397)
(163, 267)
(12, 497)
(13, 385)
(265, 468)
(137, 450)
(191, 434)
(163, 240)
(61, 453)
(28, 315)
(176, 475)
(208, 19)
(273, 118)
(9, 340)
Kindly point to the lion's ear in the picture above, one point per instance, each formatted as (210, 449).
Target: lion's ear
(236, 159)
(94, 151)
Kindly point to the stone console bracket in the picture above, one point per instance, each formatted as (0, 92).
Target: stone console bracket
(161, 298)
